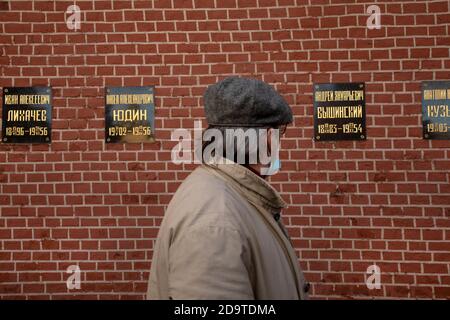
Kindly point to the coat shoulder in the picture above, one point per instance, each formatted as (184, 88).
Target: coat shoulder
(206, 199)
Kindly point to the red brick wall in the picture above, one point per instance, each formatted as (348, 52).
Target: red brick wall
(383, 201)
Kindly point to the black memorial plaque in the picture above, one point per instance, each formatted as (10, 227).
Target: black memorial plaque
(436, 110)
(339, 111)
(129, 114)
(27, 115)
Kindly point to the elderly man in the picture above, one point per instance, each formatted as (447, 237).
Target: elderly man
(222, 236)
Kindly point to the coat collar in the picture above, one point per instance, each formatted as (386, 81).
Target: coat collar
(254, 185)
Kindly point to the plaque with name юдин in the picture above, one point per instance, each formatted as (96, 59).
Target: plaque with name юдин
(27, 115)
(129, 114)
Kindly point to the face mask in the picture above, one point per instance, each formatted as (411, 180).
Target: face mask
(275, 166)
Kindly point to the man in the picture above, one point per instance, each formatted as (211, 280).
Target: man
(222, 236)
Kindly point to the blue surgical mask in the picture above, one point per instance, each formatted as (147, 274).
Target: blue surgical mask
(275, 166)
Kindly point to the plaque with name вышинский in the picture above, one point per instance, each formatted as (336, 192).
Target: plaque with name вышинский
(339, 111)
(129, 114)
(436, 110)
(27, 115)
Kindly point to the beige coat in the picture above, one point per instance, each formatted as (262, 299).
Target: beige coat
(220, 240)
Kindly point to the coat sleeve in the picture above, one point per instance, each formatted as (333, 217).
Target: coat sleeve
(210, 262)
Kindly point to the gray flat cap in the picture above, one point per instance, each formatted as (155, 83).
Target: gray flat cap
(245, 102)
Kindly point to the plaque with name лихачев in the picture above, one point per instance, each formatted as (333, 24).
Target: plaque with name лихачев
(129, 114)
(27, 115)
(339, 111)
(436, 110)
